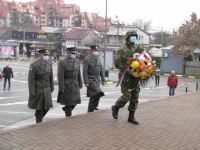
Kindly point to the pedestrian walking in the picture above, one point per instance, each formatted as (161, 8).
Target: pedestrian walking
(57, 55)
(92, 71)
(157, 76)
(69, 81)
(8, 73)
(28, 54)
(132, 96)
(172, 82)
(41, 85)
(54, 55)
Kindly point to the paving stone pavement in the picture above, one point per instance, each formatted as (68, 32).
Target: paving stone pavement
(167, 123)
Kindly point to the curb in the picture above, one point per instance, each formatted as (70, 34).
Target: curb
(190, 77)
(84, 114)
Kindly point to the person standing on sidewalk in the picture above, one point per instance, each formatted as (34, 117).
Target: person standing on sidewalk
(132, 96)
(172, 82)
(41, 85)
(54, 55)
(69, 81)
(92, 71)
(157, 76)
(7, 71)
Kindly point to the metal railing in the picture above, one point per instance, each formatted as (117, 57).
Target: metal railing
(197, 88)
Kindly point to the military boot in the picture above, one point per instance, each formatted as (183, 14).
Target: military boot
(131, 118)
(115, 110)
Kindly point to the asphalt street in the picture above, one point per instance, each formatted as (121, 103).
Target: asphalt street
(13, 103)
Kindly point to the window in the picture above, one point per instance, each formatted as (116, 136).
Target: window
(66, 14)
(72, 23)
(36, 17)
(66, 10)
(36, 21)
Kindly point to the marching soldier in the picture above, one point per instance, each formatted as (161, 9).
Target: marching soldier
(41, 85)
(92, 71)
(132, 96)
(69, 81)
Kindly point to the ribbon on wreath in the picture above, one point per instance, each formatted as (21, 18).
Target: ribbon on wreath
(137, 58)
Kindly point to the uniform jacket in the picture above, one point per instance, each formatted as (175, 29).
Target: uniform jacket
(172, 81)
(7, 72)
(118, 62)
(40, 82)
(69, 80)
(92, 71)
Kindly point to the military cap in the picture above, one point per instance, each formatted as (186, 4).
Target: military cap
(131, 32)
(43, 51)
(72, 50)
(94, 47)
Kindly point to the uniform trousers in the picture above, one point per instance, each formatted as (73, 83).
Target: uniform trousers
(39, 114)
(94, 102)
(131, 96)
(68, 110)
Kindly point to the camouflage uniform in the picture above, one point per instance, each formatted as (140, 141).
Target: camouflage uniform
(127, 95)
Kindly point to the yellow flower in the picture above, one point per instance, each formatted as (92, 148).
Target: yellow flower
(142, 73)
(135, 64)
(151, 71)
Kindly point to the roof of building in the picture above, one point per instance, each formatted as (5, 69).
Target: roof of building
(77, 33)
(5, 33)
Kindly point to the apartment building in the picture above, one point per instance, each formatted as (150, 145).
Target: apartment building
(53, 13)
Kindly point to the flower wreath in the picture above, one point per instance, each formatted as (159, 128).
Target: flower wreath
(140, 66)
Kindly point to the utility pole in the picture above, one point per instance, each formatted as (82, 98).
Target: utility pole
(117, 34)
(105, 39)
(23, 42)
(162, 36)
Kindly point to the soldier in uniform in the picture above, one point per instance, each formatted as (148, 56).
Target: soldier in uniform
(69, 81)
(41, 85)
(131, 96)
(92, 70)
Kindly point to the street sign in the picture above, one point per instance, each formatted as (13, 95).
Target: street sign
(9, 44)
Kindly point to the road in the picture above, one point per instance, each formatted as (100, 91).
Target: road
(13, 103)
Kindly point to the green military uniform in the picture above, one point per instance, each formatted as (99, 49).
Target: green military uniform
(92, 71)
(133, 95)
(69, 80)
(40, 82)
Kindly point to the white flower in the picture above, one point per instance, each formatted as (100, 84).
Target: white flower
(135, 55)
(149, 64)
(153, 61)
(143, 58)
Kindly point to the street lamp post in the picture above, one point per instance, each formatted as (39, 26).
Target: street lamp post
(105, 38)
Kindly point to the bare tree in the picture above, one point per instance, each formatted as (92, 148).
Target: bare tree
(145, 26)
(21, 21)
(189, 38)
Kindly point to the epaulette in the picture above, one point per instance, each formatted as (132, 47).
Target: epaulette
(33, 62)
(62, 58)
(77, 59)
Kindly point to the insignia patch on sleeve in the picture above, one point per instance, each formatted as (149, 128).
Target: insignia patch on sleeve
(31, 67)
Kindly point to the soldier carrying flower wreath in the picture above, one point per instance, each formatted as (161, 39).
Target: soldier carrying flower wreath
(136, 67)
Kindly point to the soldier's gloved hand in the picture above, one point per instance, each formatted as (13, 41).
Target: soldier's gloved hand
(87, 85)
(62, 91)
(51, 91)
(103, 83)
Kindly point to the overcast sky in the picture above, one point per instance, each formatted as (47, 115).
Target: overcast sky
(162, 13)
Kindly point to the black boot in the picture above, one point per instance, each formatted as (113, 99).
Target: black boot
(131, 118)
(115, 110)
(63, 108)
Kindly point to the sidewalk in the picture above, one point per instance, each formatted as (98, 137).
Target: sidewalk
(168, 123)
